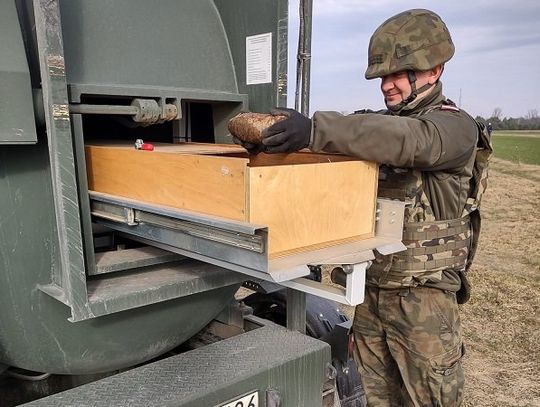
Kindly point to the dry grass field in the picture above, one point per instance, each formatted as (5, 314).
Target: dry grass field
(501, 321)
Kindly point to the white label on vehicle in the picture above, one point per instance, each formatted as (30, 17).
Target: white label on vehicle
(250, 400)
(259, 59)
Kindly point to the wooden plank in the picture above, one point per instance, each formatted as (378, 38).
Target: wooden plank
(179, 148)
(302, 157)
(208, 184)
(313, 204)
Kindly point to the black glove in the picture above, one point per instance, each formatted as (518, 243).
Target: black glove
(252, 149)
(289, 135)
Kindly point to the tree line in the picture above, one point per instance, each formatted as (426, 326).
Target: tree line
(531, 121)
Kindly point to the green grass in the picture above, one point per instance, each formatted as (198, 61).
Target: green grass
(522, 147)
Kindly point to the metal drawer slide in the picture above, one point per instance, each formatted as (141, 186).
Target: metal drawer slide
(242, 247)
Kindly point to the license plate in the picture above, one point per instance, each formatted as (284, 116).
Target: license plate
(249, 400)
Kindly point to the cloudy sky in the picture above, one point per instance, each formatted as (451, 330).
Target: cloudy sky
(496, 65)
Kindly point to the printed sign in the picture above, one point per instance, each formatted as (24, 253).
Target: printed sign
(259, 59)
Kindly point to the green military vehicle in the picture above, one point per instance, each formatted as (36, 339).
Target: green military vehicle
(97, 293)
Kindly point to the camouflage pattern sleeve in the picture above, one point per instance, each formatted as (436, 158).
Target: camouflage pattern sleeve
(438, 140)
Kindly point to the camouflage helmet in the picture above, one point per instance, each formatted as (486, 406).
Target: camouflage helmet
(415, 40)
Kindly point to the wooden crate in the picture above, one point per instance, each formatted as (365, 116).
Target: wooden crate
(307, 200)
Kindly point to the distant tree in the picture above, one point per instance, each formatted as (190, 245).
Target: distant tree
(531, 121)
(496, 122)
(480, 119)
(532, 114)
(497, 113)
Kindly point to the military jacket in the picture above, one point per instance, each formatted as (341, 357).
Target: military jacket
(427, 155)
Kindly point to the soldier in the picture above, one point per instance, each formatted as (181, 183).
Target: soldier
(433, 156)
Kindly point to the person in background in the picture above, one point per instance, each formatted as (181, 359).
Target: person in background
(433, 156)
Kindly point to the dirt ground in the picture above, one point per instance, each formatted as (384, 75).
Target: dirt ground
(501, 321)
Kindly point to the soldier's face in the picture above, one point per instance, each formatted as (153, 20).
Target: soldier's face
(396, 87)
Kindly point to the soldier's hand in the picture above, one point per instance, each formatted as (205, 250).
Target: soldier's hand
(289, 135)
(252, 149)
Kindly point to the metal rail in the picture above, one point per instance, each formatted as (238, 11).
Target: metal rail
(130, 216)
(104, 109)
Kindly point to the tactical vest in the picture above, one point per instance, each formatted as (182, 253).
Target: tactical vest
(432, 245)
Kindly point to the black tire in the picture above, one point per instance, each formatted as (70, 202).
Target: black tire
(321, 317)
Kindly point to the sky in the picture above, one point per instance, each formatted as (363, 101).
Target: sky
(496, 64)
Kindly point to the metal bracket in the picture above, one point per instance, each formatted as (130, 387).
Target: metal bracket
(273, 398)
(296, 310)
(114, 213)
(261, 286)
(351, 294)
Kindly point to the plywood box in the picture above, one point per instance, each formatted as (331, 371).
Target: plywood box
(306, 200)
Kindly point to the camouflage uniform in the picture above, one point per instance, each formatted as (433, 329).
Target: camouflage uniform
(409, 347)
(407, 332)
